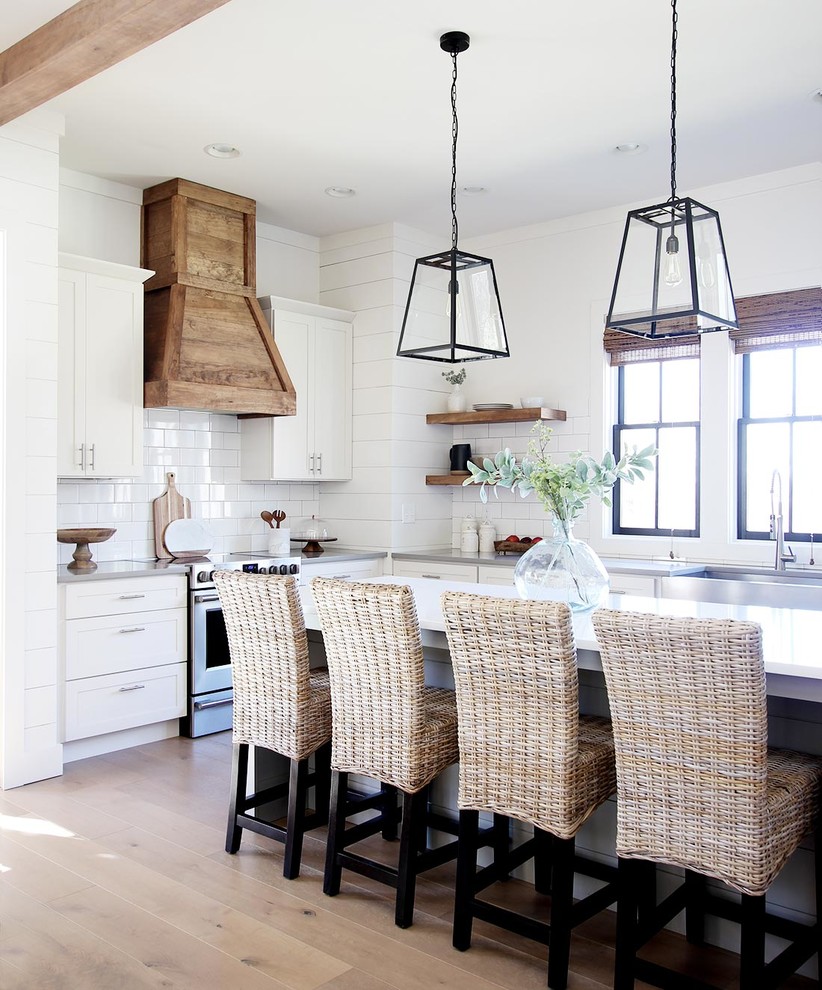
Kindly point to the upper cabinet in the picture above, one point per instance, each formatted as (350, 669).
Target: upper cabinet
(314, 445)
(100, 369)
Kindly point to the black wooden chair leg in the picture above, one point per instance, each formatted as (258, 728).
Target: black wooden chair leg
(322, 782)
(239, 782)
(817, 856)
(752, 950)
(644, 874)
(466, 873)
(695, 886)
(295, 828)
(413, 823)
(501, 840)
(543, 852)
(336, 828)
(626, 933)
(390, 815)
(562, 902)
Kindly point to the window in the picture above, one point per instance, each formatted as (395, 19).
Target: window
(781, 430)
(658, 404)
(780, 340)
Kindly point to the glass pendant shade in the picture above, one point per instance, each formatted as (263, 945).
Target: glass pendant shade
(672, 276)
(453, 313)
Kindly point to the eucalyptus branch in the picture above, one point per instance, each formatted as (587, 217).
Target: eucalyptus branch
(564, 489)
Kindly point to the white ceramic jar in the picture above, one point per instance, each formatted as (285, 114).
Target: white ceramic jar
(469, 540)
(487, 536)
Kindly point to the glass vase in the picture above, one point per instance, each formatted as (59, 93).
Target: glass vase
(456, 400)
(562, 569)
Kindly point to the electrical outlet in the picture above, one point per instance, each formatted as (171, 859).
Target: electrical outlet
(409, 513)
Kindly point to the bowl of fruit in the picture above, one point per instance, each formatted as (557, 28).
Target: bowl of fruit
(516, 544)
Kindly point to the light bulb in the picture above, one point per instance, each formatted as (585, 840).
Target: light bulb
(672, 274)
(456, 287)
(707, 274)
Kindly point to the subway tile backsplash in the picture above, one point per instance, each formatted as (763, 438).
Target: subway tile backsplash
(203, 450)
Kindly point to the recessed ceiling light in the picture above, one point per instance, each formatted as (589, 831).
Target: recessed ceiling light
(473, 190)
(220, 150)
(631, 148)
(340, 192)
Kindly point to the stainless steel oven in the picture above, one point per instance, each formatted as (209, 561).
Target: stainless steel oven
(210, 695)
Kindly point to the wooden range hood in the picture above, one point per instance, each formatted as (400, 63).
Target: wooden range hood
(207, 343)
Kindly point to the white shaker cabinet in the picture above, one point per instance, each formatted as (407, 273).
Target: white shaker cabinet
(123, 647)
(315, 343)
(100, 369)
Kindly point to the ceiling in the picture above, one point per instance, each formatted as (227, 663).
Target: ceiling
(322, 93)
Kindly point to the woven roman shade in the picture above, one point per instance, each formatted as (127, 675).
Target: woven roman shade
(622, 348)
(780, 319)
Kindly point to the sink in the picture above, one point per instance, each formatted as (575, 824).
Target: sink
(739, 585)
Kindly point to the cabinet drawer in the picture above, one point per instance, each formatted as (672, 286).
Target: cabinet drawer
(354, 570)
(122, 701)
(110, 643)
(496, 575)
(633, 584)
(435, 570)
(124, 595)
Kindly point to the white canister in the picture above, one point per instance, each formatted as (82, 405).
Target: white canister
(279, 542)
(487, 535)
(469, 523)
(469, 541)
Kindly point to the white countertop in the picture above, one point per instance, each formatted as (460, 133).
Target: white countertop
(791, 638)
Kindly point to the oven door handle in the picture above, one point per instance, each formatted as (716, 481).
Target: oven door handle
(200, 705)
(201, 599)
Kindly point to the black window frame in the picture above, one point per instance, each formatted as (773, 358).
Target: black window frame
(742, 455)
(619, 428)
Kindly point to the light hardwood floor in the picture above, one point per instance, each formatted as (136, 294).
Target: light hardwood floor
(114, 877)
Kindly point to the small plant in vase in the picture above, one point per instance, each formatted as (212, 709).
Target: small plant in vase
(456, 400)
(562, 567)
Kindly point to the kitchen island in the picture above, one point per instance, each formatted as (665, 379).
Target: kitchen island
(793, 665)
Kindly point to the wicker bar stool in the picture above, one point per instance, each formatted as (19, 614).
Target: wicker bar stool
(279, 704)
(387, 725)
(698, 788)
(526, 753)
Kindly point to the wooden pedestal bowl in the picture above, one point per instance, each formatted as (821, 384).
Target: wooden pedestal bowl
(82, 537)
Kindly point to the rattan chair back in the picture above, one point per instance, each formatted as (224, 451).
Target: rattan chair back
(374, 655)
(689, 714)
(269, 661)
(517, 693)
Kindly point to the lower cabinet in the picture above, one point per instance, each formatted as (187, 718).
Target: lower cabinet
(435, 570)
(122, 653)
(343, 570)
(633, 584)
(502, 576)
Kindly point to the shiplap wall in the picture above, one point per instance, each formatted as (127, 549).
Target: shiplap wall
(29, 166)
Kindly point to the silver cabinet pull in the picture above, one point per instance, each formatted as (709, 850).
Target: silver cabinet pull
(340, 577)
(199, 599)
(319, 463)
(200, 705)
(91, 452)
(311, 463)
(132, 629)
(133, 687)
(436, 577)
(124, 598)
(82, 449)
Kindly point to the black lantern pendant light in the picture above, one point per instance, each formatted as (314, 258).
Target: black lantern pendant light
(453, 313)
(672, 279)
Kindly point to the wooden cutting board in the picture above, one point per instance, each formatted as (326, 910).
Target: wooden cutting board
(168, 507)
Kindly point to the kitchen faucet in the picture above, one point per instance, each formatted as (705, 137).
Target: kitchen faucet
(777, 529)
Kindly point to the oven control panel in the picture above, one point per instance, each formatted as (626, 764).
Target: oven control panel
(202, 574)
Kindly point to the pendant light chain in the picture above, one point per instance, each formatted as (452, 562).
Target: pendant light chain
(674, 36)
(454, 133)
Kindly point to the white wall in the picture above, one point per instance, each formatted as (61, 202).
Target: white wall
(368, 271)
(29, 163)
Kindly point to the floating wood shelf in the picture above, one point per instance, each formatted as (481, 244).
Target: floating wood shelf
(445, 479)
(495, 416)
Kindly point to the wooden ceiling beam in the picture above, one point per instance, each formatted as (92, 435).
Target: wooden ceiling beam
(86, 39)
